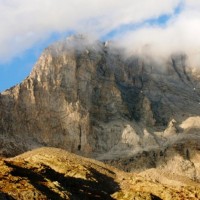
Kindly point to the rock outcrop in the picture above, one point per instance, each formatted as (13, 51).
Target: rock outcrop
(90, 99)
(49, 173)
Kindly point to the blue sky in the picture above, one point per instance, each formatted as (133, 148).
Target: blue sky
(29, 28)
(16, 69)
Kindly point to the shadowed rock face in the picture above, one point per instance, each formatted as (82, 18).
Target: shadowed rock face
(50, 173)
(92, 100)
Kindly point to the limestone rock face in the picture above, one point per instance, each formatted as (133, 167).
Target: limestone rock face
(90, 99)
(171, 129)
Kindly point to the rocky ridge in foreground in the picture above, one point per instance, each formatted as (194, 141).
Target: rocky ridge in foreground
(50, 173)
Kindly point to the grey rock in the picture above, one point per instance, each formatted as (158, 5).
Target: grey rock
(89, 99)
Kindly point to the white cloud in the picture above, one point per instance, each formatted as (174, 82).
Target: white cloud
(25, 22)
(180, 35)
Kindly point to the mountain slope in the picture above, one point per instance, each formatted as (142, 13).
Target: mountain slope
(90, 99)
(49, 173)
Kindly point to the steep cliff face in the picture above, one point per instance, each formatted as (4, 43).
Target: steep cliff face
(91, 100)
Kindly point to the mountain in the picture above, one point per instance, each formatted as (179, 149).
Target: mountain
(137, 113)
(50, 173)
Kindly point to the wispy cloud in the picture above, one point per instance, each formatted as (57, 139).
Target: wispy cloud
(179, 35)
(24, 23)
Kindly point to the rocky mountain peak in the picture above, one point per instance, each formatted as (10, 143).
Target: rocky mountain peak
(92, 100)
